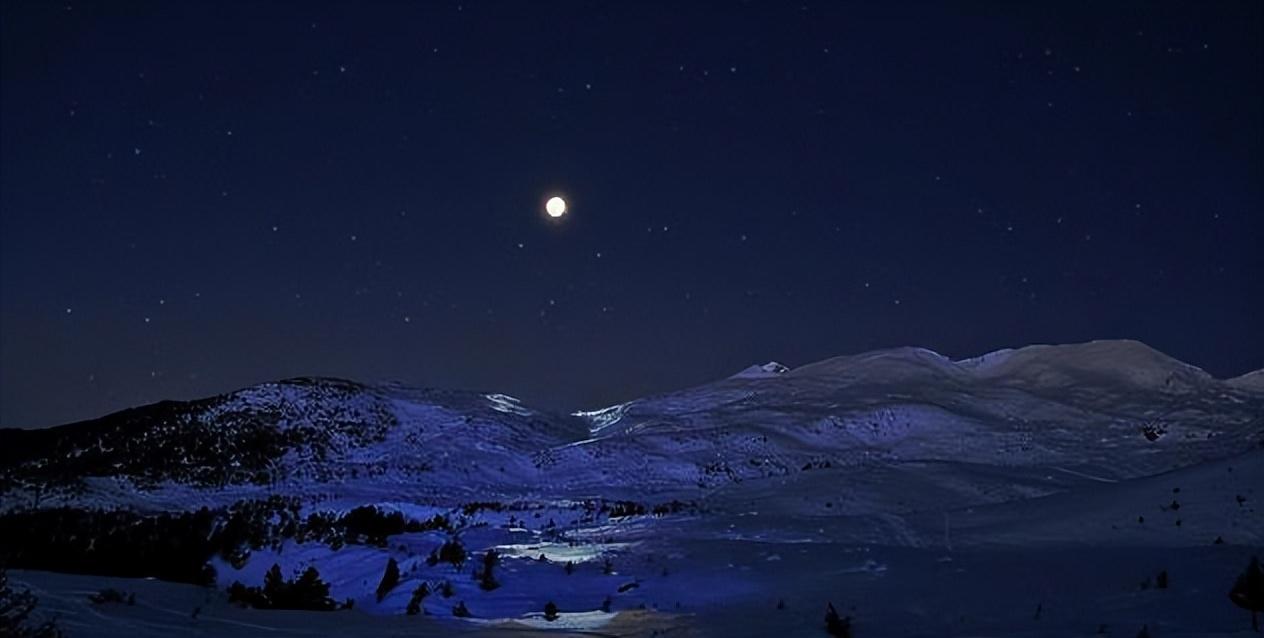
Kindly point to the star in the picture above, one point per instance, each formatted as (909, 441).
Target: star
(403, 157)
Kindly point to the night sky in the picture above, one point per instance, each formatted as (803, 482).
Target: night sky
(197, 197)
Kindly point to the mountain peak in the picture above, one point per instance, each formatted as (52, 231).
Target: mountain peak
(1119, 360)
(770, 369)
(1250, 381)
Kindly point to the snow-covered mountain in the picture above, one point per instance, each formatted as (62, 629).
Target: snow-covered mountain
(316, 437)
(1251, 381)
(858, 474)
(1111, 409)
(1115, 409)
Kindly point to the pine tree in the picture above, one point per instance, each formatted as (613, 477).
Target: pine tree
(550, 611)
(275, 589)
(452, 552)
(486, 576)
(1248, 591)
(389, 579)
(834, 625)
(307, 592)
(419, 596)
(310, 592)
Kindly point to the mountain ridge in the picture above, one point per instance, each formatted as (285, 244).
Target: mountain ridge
(842, 471)
(1252, 380)
(1116, 408)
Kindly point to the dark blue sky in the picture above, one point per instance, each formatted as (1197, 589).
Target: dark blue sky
(196, 197)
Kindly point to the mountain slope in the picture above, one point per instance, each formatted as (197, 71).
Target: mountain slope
(292, 435)
(1111, 409)
(920, 492)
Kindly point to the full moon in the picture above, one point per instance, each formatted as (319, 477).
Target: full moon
(555, 207)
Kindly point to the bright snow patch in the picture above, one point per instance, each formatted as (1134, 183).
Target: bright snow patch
(770, 369)
(560, 552)
(507, 404)
(579, 620)
(605, 417)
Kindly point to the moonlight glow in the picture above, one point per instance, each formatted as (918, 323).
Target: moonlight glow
(555, 207)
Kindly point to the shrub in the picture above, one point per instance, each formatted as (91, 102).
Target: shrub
(674, 507)
(111, 595)
(550, 611)
(626, 508)
(470, 509)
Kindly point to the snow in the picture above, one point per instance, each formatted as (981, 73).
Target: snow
(922, 496)
(561, 552)
(603, 418)
(1122, 361)
(1251, 381)
(770, 369)
(507, 404)
(582, 620)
